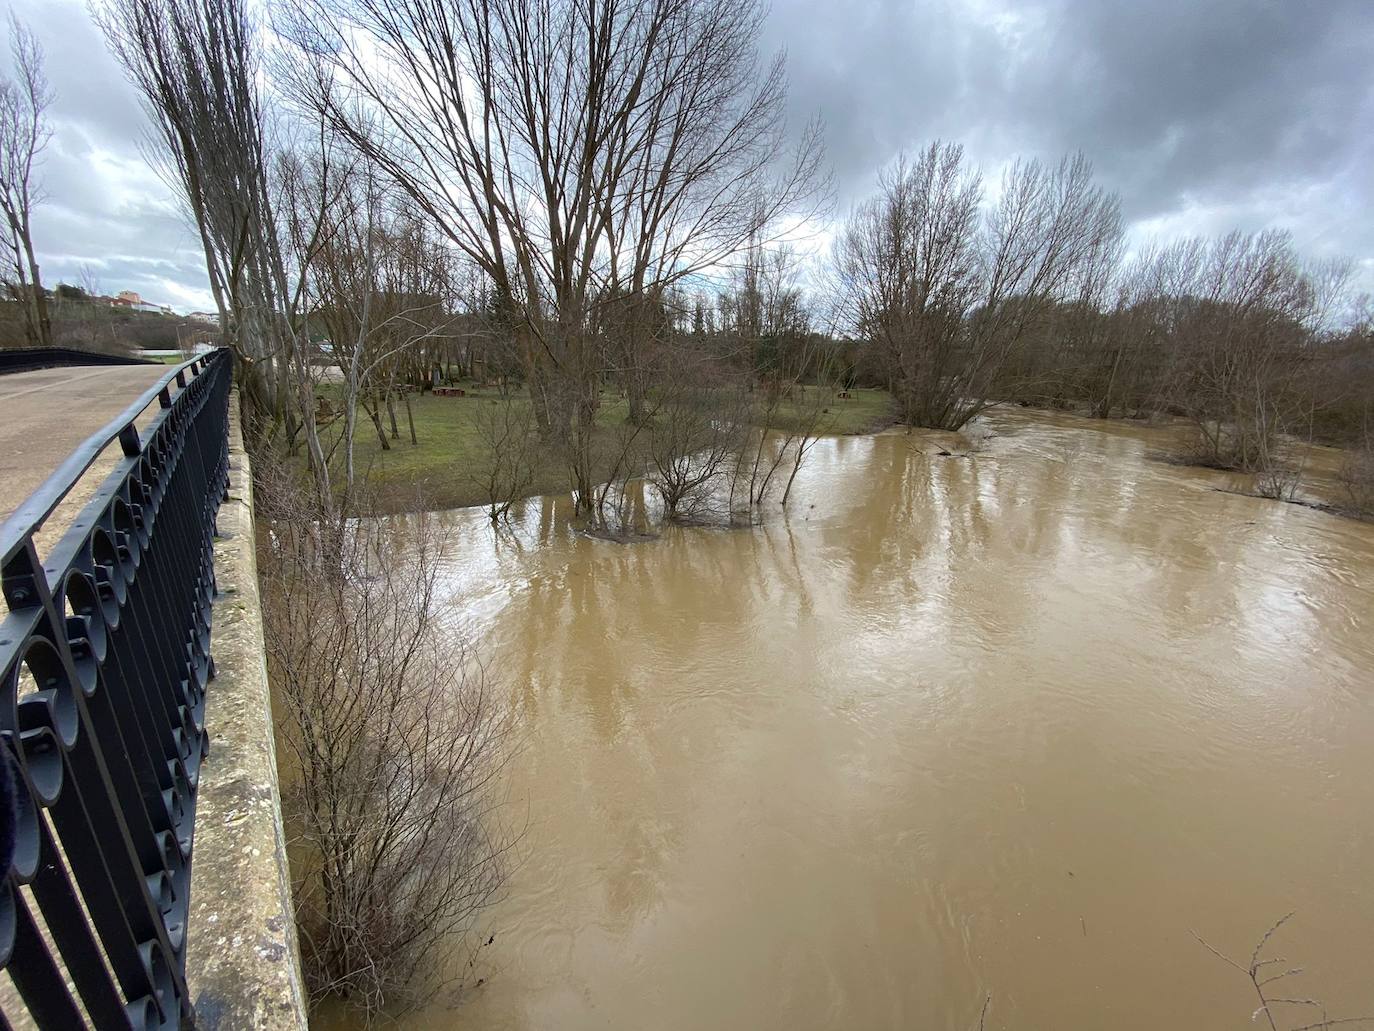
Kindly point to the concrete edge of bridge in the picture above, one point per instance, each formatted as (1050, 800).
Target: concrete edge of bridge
(243, 959)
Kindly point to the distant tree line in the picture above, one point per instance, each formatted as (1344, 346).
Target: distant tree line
(1034, 298)
(79, 321)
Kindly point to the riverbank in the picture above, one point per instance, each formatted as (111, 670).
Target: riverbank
(1321, 475)
(449, 463)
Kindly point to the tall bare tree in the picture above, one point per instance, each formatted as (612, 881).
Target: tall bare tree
(25, 96)
(378, 283)
(581, 153)
(949, 290)
(1243, 308)
(908, 272)
(197, 65)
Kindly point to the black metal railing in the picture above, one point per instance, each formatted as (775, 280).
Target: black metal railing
(105, 655)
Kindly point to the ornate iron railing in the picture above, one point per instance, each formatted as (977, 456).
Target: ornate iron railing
(105, 656)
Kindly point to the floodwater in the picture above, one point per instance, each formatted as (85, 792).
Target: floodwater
(1011, 725)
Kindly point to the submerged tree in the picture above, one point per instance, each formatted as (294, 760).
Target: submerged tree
(704, 421)
(505, 430)
(396, 739)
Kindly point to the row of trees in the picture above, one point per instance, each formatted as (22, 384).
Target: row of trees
(1033, 297)
(580, 160)
(539, 191)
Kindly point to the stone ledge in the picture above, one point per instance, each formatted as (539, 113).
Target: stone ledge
(243, 960)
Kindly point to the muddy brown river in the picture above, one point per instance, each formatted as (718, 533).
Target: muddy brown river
(1010, 725)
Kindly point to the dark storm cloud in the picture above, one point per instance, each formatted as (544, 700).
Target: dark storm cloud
(1202, 115)
(1214, 98)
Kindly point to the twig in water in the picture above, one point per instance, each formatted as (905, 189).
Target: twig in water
(983, 1014)
(1255, 971)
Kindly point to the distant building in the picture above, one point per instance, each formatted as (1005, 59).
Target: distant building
(208, 317)
(130, 299)
(197, 348)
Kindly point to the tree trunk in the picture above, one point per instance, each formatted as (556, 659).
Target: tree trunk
(1104, 408)
(635, 393)
(410, 417)
(40, 302)
(376, 418)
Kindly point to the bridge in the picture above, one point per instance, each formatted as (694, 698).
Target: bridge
(135, 729)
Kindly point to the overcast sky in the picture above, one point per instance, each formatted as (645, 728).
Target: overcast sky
(1205, 115)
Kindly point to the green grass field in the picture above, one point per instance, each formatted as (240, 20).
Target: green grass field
(444, 469)
(866, 411)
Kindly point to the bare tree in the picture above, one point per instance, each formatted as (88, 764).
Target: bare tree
(1132, 363)
(378, 284)
(579, 152)
(615, 505)
(787, 419)
(196, 64)
(948, 291)
(907, 273)
(24, 134)
(396, 739)
(810, 408)
(1356, 479)
(1243, 309)
(768, 325)
(701, 424)
(506, 430)
(88, 277)
(1265, 972)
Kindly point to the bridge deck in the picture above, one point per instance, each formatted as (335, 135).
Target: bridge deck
(46, 413)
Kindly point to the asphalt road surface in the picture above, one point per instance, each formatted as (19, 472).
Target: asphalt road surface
(46, 413)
